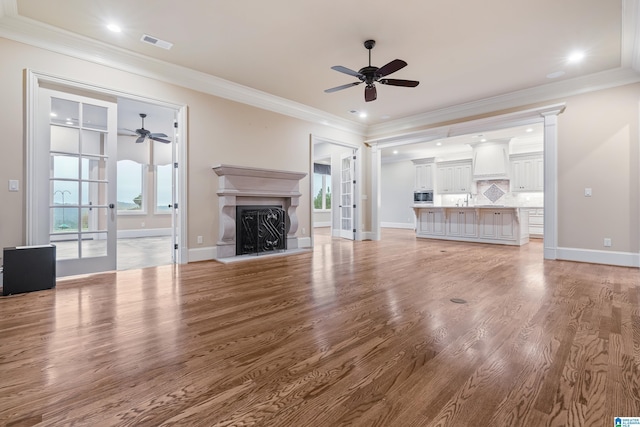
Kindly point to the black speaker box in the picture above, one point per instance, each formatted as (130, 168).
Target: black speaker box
(29, 268)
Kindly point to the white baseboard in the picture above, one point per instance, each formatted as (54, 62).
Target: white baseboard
(322, 224)
(202, 254)
(304, 242)
(144, 232)
(410, 226)
(624, 259)
(368, 235)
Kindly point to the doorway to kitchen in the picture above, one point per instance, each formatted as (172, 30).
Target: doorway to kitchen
(546, 117)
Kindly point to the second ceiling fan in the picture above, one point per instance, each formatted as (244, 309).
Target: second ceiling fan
(370, 75)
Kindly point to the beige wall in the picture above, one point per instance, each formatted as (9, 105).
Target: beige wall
(219, 131)
(598, 148)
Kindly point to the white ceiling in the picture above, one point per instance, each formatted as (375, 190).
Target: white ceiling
(460, 53)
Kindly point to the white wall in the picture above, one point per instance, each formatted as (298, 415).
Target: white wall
(396, 195)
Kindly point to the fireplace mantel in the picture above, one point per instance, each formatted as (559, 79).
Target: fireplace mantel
(242, 185)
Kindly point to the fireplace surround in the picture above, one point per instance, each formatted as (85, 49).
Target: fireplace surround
(247, 186)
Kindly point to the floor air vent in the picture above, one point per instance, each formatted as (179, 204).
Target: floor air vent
(156, 42)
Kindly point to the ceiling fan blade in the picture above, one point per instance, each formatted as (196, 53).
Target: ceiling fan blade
(140, 139)
(370, 93)
(391, 67)
(337, 88)
(397, 82)
(155, 135)
(346, 70)
(126, 132)
(156, 138)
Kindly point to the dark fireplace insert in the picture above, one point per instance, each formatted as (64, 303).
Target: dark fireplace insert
(260, 229)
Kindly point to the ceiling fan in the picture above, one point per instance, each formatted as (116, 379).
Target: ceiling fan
(370, 75)
(144, 133)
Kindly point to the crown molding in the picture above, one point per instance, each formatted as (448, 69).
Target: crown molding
(544, 93)
(34, 33)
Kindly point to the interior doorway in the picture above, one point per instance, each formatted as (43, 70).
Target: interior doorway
(335, 189)
(70, 149)
(146, 187)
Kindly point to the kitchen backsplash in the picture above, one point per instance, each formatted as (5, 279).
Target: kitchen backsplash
(494, 192)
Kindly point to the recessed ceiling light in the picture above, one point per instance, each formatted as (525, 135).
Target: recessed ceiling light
(69, 122)
(363, 115)
(395, 151)
(555, 74)
(576, 56)
(483, 140)
(115, 28)
(438, 144)
(529, 130)
(54, 115)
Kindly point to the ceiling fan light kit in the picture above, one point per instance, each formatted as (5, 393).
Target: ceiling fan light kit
(371, 74)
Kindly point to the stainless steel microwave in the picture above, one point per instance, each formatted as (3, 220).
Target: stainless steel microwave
(423, 196)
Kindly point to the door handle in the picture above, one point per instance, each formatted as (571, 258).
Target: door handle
(111, 206)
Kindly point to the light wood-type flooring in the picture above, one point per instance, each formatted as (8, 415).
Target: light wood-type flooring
(353, 333)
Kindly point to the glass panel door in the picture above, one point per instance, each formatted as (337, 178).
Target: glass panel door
(79, 135)
(347, 225)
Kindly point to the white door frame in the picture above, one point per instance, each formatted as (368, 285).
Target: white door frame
(357, 195)
(548, 115)
(33, 81)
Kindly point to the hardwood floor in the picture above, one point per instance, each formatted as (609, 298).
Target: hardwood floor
(353, 333)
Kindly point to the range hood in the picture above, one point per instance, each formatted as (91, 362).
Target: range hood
(491, 160)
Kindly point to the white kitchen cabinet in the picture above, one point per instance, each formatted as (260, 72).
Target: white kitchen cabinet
(527, 172)
(497, 224)
(431, 222)
(504, 226)
(454, 177)
(424, 177)
(536, 222)
(462, 222)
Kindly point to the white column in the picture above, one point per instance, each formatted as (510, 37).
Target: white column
(551, 183)
(375, 192)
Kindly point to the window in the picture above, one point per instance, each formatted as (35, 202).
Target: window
(131, 195)
(163, 188)
(321, 186)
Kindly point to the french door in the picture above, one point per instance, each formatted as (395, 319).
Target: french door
(347, 201)
(75, 172)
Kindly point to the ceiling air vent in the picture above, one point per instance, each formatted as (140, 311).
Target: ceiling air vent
(156, 42)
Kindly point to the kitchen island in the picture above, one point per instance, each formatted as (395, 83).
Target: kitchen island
(483, 224)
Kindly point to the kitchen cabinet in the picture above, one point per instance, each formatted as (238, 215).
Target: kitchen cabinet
(462, 222)
(497, 224)
(431, 222)
(536, 222)
(504, 226)
(424, 177)
(454, 177)
(527, 172)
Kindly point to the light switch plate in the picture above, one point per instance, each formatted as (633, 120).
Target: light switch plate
(587, 192)
(14, 185)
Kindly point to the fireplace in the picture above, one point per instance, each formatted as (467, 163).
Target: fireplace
(241, 189)
(260, 229)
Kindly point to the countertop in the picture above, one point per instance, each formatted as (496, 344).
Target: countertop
(424, 206)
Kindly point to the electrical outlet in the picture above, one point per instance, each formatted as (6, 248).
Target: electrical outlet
(142, 225)
(587, 192)
(200, 240)
(607, 242)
